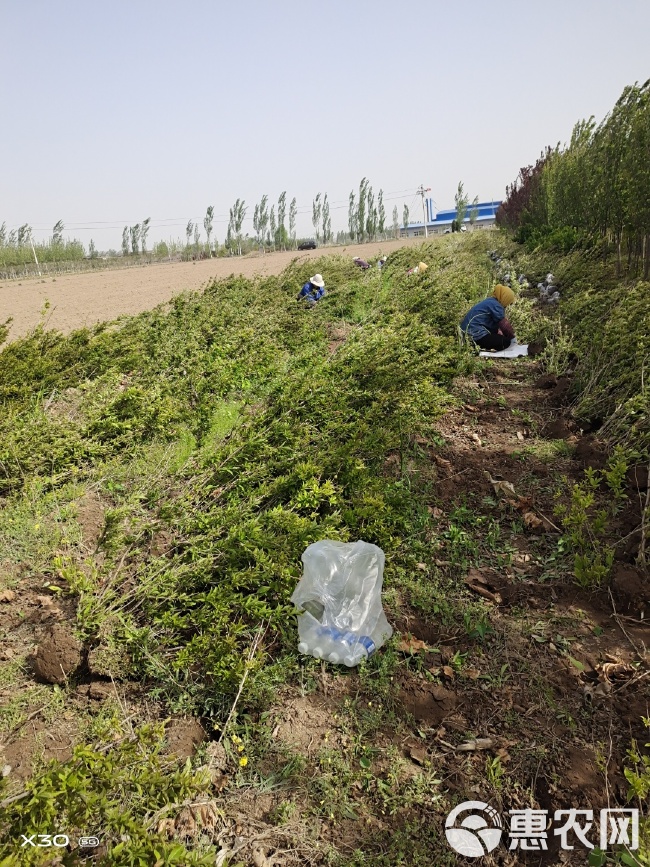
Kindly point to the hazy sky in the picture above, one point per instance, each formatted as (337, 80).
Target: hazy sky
(117, 111)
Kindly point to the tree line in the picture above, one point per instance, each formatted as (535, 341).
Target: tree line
(274, 228)
(594, 190)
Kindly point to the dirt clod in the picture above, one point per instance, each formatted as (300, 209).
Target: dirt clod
(184, 736)
(57, 656)
(428, 702)
(631, 590)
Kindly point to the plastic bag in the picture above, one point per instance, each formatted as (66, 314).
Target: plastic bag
(341, 617)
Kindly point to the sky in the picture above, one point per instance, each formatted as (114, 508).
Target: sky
(117, 111)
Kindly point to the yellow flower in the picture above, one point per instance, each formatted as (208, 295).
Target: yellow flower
(240, 748)
(243, 762)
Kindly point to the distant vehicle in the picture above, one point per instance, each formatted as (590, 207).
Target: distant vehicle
(307, 245)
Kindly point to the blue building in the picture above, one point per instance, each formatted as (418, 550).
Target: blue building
(439, 223)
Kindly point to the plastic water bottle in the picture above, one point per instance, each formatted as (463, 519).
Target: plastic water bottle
(336, 646)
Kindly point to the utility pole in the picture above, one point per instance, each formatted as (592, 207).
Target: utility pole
(34, 252)
(422, 190)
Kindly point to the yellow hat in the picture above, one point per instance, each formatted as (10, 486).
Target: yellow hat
(503, 294)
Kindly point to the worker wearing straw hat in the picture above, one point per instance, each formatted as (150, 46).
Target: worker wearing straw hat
(313, 290)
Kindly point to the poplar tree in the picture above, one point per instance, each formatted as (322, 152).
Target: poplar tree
(262, 219)
(188, 232)
(327, 223)
(352, 217)
(293, 210)
(135, 238)
(371, 219)
(381, 214)
(237, 215)
(57, 233)
(282, 211)
(395, 222)
(272, 226)
(361, 209)
(405, 218)
(125, 241)
(144, 231)
(461, 201)
(207, 225)
(316, 208)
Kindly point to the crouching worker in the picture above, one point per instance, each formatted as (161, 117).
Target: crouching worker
(313, 290)
(486, 322)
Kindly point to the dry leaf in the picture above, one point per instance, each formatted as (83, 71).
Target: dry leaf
(520, 436)
(448, 672)
(422, 566)
(502, 487)
(434, 671)
(472, 673)
(435, 511)
(442, 462)
(7, 595)
(411, 645)
(477, 439)
(475, 744)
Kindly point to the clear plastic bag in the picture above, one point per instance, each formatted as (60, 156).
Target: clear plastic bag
(341, 618)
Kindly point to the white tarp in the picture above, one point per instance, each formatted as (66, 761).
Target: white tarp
(515, 349)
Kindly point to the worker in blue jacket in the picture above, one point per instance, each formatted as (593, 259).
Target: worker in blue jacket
(313, 290)
(486, 322)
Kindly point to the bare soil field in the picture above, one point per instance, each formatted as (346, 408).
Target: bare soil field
(78, 300)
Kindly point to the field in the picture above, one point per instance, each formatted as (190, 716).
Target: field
(160, 479)
(79, 300)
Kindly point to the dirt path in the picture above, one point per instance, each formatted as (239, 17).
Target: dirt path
(79, 300)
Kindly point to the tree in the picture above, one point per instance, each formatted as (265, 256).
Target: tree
(125, 241)
(361, 209)
(3, 234)
(197, 235)
(352, 216)
(395, 222)
(24, 234)
(327, 222)
(405, 218)
(316, 208)
(237, 215)
(262, 220)
(282, 211)
(92, 250)
(57, 233)
(473, 214)
(293, 210)
(207, 225)
(381, 214)
(135, 238)
(371, 219)
(144, 231)
(272, 224)
(461, 201)
(188, 232)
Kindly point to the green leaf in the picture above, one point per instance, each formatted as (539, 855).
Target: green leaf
(365, 763)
